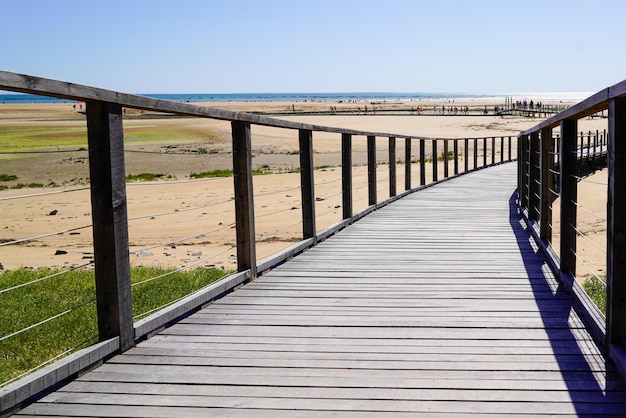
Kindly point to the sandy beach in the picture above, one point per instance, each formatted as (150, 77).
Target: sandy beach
(184, 222)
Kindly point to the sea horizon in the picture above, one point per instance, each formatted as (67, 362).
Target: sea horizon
(546, 97)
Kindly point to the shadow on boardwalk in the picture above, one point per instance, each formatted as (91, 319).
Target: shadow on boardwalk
(591, 380)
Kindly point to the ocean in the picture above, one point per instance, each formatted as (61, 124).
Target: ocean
(319, 97)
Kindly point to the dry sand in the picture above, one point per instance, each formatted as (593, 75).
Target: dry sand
(184, 222)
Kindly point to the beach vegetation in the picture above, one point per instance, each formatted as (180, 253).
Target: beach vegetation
(322, 167)
(211, 174)
(70, 296)
(443, 157)
(8, 177)
(148, 177)
(596, 289)
(24, 186)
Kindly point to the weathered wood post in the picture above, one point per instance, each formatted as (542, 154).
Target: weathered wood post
(445, 159)
(484, 152)
(307, 183)
(534, 177)
(346, 174)
(456, 156)
(244, 197)
(569, 196)
(110, 222)
(392, 166)
(547, 184)
(434, 154)
(371, 170)
(407, 163)
(616, 226)
(522, 164)
(466, 156)
(422, 162)
(475, 153)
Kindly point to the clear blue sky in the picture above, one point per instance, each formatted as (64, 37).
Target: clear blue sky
(244, 46)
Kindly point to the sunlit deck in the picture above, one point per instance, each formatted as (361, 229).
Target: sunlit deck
(436, 305)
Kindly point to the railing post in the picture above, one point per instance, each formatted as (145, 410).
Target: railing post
(422, 162)
(371, 170)
(307, 184)
(466, 157)
(501, 149)
(110, 222)
(445, 159)
(568, 196)
(434, 152)
(534, 178)
(456, 156)
(244, 197)
(522, 162)
(616, 225)
(475, 153)
(484, 152)
(407, 163)
(493, 150)
(510, 151)
(392, 166)
(346, 174)
(547, 184)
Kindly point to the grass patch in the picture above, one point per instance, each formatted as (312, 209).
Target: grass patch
(74, 292)
(596, 290)
(41, 138)
(211, 174)
(26, 186)
(7, 177)
(148, 177)
(442, 156)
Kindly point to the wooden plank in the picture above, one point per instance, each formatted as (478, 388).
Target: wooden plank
(109, 214)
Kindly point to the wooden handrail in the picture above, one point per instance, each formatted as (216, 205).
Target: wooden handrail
(535, 187)
(108, 200)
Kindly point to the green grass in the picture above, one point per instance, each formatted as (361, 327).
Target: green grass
(442, 156)
(75, 292)
(211, 174)
(40, 138)
(147, 177)
(596, 290)
(8, 177)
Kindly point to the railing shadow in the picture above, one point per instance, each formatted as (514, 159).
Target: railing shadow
(590, 378)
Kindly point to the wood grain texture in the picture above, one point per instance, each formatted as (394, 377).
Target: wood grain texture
(435, 305)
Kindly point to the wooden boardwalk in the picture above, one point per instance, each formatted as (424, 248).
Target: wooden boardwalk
(436, 305)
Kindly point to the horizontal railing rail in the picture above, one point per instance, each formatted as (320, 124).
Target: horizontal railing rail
(106, 150)
(549, 169)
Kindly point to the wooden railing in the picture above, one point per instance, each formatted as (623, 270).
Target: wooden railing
(105, 135)
(548, 170)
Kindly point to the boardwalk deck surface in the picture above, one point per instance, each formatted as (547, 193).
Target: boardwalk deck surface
(436, 305)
